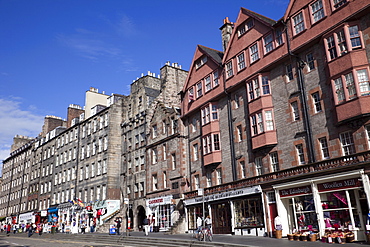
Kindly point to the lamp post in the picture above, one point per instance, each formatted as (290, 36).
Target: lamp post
(201, 193)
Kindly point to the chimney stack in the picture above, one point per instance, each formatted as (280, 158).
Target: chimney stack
(226, 30)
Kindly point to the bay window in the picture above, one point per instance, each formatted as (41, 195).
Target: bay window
(261, 122)
(255, 85)
(351, 85)
(209, 113)
(211, 143)
(336, 44)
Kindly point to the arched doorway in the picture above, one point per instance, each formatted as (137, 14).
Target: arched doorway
(141, 215)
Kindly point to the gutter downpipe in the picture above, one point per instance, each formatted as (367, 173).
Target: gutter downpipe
(302, 90)
(231, 134)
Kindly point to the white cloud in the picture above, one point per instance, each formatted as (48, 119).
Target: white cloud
(16, 121)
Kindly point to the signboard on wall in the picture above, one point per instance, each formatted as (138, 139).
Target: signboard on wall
(296, 191)
(339, 184)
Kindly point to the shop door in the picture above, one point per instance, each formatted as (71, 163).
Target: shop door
(221, 218)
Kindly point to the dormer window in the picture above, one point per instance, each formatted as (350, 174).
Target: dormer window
(200, 62)
(243, 28)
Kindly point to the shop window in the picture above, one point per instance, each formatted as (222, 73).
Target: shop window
(249, 213)
(304, 214)
(339, 207)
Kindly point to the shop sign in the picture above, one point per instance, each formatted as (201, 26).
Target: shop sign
(295, 191)
(225, 195)
(26, 216)
(159, 201)
(340, 184)
(44, 213)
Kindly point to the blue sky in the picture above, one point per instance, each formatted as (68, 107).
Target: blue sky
(52, 51)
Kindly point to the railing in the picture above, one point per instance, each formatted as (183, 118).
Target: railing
(325, 165)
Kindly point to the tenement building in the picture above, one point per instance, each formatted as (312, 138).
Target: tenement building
(153, 149)
(279, 122)
(68, 174)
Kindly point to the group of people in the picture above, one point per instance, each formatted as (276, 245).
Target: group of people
(29, 228)
(207, 223)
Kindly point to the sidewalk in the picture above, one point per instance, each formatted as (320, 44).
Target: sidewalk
(247, 240)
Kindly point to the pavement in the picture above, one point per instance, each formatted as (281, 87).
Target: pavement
(247, 240)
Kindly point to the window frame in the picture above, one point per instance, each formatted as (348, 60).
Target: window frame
(229, 69)
(241, 61)
(298, 24)
(320, 11)
(269, 44)
(254, 53)
(262, 121)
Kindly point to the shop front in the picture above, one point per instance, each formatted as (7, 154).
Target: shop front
(26, 218)
(336, 204)
(239, 211)
(160, 210)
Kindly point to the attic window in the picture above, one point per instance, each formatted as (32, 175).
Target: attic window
(200, 62)
(245, 27)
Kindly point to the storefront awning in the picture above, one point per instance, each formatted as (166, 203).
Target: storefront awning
(52, 210)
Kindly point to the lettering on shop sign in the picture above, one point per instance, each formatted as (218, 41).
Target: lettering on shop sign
(220, 196)
(295, 191)
(340, 184)
(159, 200)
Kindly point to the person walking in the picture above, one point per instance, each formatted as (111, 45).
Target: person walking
(146, 226)
(118, 226)
(30, 230)
(208, 223)
(199, 226)
(8, 229)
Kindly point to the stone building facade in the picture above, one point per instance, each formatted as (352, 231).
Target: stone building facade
(138, 120)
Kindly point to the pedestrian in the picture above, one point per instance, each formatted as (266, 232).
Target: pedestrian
(118, 226)
(8, 229)
(14, 228)
(83, 227)
(146, 226)
(30, 230)
(39, 228)
(208, 223)
(199, 226)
